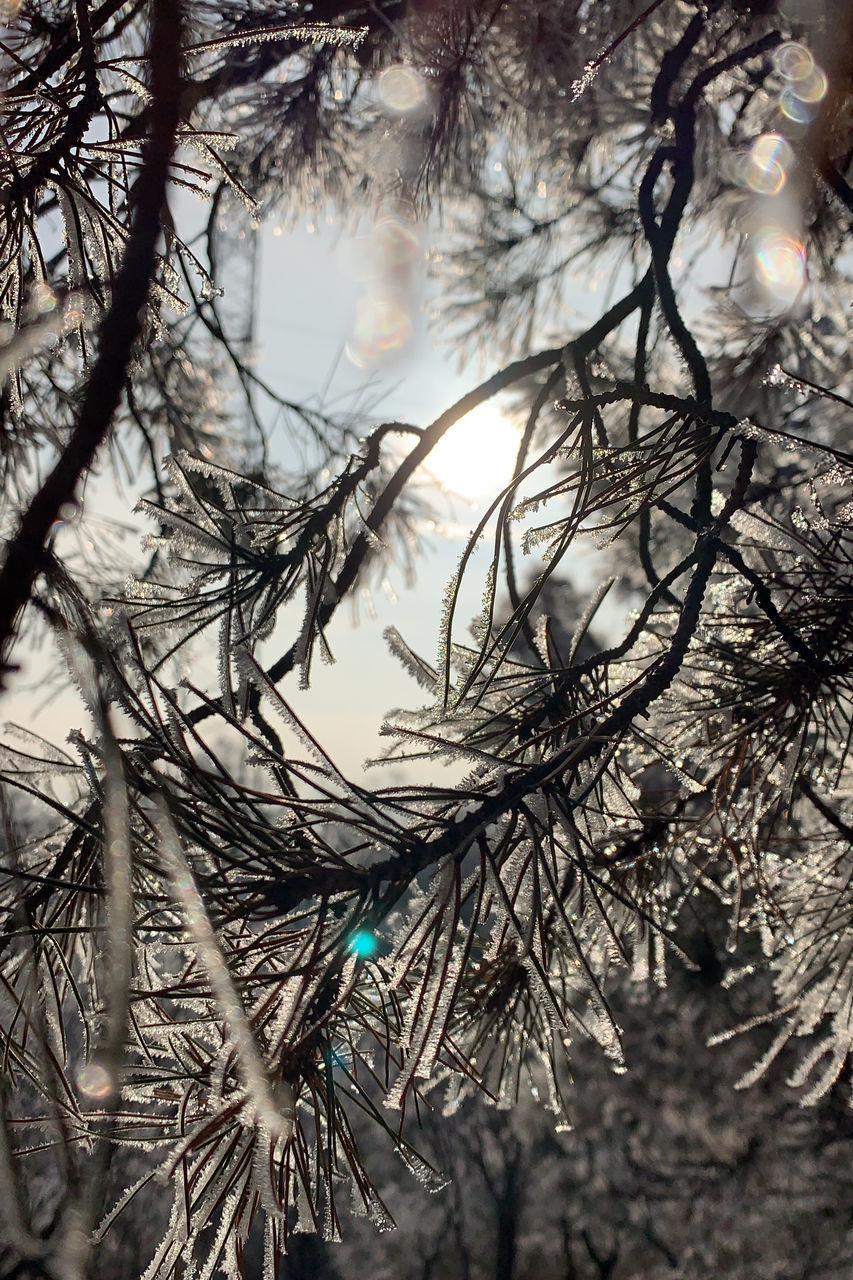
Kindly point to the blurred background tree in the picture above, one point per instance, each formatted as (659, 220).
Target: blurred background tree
(228, 967)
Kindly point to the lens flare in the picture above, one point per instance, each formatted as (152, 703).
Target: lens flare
(44, 299)
(793, 106)
(793, 61)
(363, 944)
(65, 515)
(395, 242)
(813, 88)
(388, 267)
(95, 1081)
(802, 13)
(765, 168)
(382, 326)
(780, 262)
(402, 90)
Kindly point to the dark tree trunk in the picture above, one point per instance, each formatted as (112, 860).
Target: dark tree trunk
(507, 1225)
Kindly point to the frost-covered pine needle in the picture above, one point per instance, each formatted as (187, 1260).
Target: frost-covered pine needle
(277, 1121)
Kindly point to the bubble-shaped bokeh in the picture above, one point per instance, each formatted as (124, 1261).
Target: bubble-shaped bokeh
(390, 260)
(765, 167)
(402, 90)
(793, 60)
(383, 325)
(771, 171)
(805, 86)
(95, 1080)
(780, 260)
(395, 242)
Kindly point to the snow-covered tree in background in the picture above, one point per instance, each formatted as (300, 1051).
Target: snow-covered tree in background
(229, 984)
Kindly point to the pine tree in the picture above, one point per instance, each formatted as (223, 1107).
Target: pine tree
(219, 982)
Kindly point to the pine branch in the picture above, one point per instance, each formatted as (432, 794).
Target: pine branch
(119, 330)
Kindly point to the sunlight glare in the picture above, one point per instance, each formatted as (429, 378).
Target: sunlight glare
(475, 459)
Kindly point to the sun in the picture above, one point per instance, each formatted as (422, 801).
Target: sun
(475, 459)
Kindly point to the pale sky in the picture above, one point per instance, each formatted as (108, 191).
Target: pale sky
(310, 290)
(313, 284)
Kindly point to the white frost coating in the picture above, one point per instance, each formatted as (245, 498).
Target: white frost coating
(170, 1246)
(278, 1121)
(807, 1064)
(73, 240)
(379, 1215)
(588, 615)
(248, 665)
(322, 32)
(121, 1204)
(217, 1252)
(118, 873)
(580, 85)
(135, 85)
(270, 1266)
(425, 675)
(30, 339)
(37, 757)
(264, 1174)
(429, 1178)
(758, 1069)
(829, 1075)
(308, 632)
(305, 1221)
(330, 1230)
(294, 992)
(481, 624)
(431, 1004)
